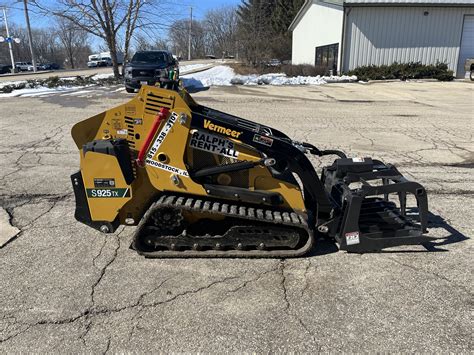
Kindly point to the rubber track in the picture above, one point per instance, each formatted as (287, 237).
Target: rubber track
(258, 214)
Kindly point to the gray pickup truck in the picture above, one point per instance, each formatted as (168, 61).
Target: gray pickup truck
(157, 67)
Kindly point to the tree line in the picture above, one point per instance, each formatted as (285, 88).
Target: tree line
(263, 28)
(253, 31)
(61, 43)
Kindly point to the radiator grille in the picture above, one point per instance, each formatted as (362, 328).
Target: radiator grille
(131, 142)
(131, 132)
(143, 72)
(153, 103)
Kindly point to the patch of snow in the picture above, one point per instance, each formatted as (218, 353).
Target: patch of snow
(224, 76)
(186, 68)
(102, 76)
(6, 83)
(38, 91)
(68, 78)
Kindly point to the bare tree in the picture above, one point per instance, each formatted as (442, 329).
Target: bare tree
(198, 40)
(102, 18)
(178, 35)
(161, 43)
(66, 45)
(20, 50)
(255, 31)
(215, 34)
(142, 43)
(221, 30)
(45, 45)
(132, 17)
(72, 38)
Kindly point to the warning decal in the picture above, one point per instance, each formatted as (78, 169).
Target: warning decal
(158, 141)
(162, 135)
(263, 140)
(167, 167)
(213, 144)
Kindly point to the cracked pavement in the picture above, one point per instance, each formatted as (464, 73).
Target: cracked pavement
(68, 288)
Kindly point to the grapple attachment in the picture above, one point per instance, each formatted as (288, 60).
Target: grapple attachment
(372, 201)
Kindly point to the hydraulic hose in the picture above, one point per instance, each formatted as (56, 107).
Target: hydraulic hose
(315, 151)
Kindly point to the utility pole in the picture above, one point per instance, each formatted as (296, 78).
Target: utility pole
(27, 18)
(190, 32)
(9, 42)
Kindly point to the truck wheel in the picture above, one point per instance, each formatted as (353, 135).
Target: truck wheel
(471, 75)
(130, 90)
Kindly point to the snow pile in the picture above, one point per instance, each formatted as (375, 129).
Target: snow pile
(282, 79)
(220, 76)
(225, 76)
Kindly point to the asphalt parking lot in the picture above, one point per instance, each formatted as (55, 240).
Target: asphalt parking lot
(68, 288)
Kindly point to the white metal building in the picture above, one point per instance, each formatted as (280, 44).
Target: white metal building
(345, 34)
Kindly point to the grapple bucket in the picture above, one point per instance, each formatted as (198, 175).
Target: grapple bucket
(372, 198)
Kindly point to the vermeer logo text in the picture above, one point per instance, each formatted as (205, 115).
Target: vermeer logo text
(219, 129)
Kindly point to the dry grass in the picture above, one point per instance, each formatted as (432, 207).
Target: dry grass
(246, 69)
(288, 69)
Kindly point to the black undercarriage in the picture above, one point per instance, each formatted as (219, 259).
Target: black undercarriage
(241, 231)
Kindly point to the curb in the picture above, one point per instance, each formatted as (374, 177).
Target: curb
(197, 70)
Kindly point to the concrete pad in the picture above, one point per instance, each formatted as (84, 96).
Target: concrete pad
(7, 231)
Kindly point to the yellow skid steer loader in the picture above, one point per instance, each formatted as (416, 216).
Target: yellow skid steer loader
(198, 182)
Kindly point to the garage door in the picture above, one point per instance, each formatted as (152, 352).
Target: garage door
(467, 44)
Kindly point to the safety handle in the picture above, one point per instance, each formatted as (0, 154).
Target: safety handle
(161, 116)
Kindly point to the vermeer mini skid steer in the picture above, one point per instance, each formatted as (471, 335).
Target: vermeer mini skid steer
(202, 183)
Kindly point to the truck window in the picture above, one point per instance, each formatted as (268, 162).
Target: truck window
(150, 57)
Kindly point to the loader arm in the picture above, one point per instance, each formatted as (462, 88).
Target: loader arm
(274, 144)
